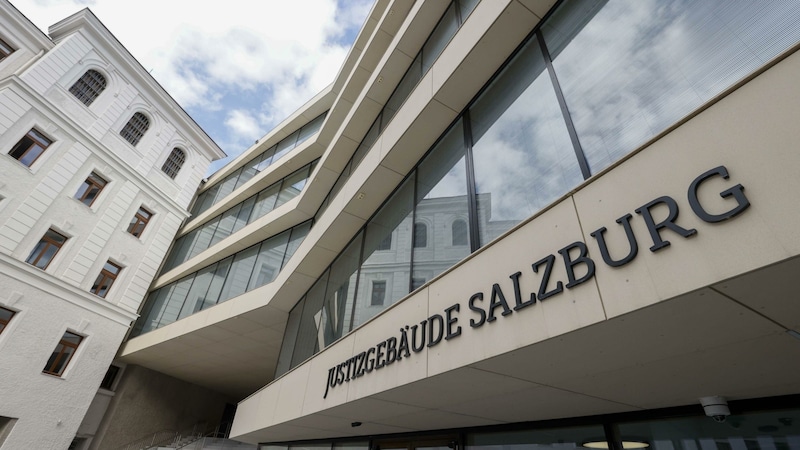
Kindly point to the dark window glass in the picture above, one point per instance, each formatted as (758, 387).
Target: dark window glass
(46, 249)
(110, 377)
(174, 162)
(88, 86)
(139, 222)
(135, 128)
(5, 49)
(30, 147)
(62, 354)
(420, 235)
(90, 189)
(459, 232)
(378, 293)
(386, 243)
(5, 317)
(106, 278)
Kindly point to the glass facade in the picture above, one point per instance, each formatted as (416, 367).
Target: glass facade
(596, 80)
(256, 165)
(235, 218)
(452, 19)
(777, 429)
(241, 272)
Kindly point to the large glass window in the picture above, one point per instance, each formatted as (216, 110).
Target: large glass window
(255, 165)
(340, 293)
(441, 196)
(244, 271)
(5, 317)
(522, 151)
(629, 69)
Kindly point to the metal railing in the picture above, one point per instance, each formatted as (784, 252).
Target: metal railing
(166, 438)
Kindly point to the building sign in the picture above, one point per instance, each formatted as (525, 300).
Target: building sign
(485, 307)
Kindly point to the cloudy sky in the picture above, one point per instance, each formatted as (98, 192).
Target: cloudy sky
(238, 67)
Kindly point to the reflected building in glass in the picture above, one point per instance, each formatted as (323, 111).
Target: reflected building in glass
(506, 223)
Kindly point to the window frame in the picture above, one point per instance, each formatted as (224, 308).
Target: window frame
(174, 162)
(89, 86)
(135, 128)
(94, 180)
(5, 49)
(52, 368)
(105, 276)
(4, 322)
(40, 251)
(37, 139)
(139, 222)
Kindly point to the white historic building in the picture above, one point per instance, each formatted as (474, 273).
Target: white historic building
(98, 167)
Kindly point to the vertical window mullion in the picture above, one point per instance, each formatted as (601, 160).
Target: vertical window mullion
(413, 234)
(562, 102)
(472, 198)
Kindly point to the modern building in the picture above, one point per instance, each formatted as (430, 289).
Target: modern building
(98, 167)
(506, 223)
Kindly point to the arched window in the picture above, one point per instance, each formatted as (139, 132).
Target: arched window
(88, 86)
(174, 163)
(459, 229)
(420, 235)
(135, 128)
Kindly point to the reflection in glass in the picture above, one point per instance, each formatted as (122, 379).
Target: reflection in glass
(337, 310)
(268, 263)
(239, 275)
(523, 155)
(566, 438)
(756, 431)
(441, 198)
(668, 58)
(307, 343)
(392, 263)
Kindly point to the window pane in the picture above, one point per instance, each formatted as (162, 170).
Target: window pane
(392, 265)
(289, 339)
(298, 234)
(441, 35)
(668, 59)
(779, 429)
(567, 438)
(337, 310)
(196, 295)
(307, 343)
(239, 275)
(403, 90)
(286, 145)
(268, 263)
(175, 301)
(217, 282)
(310, 128)
(265, 201)
(518, 117)
(204, 236)
(266, 159)
(225, 225)
(292, 186)
(243, 217)
(441, 197)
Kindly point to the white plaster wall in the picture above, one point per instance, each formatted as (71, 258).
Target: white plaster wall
(49, 408)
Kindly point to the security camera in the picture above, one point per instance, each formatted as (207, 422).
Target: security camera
(716, 408)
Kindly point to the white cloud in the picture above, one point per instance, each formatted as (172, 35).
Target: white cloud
(216, 58)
